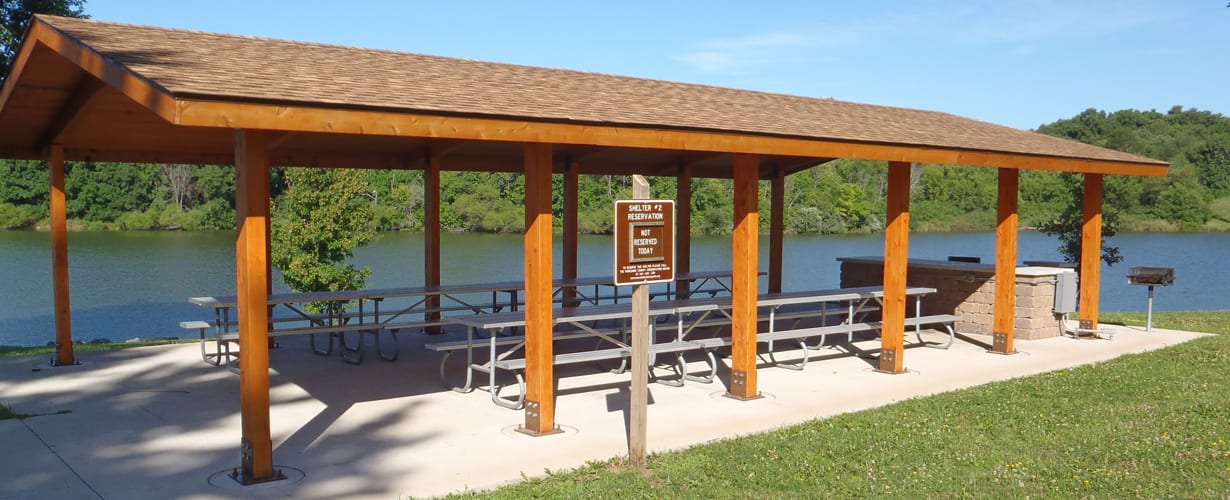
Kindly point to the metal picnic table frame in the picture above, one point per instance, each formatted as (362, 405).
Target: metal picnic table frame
(690, 314)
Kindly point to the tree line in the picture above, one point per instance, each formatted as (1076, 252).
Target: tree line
(843, 196)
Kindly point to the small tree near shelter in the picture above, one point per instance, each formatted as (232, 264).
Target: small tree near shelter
(317, 223)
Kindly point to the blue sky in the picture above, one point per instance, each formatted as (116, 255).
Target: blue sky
(1018, 63)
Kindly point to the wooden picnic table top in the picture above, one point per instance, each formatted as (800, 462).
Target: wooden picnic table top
(386, 293)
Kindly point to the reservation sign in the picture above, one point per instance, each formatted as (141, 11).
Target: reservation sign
(644, 241)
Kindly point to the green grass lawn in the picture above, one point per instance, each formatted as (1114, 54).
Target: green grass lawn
(1145, 425)
(9, 351)
(1191, 321)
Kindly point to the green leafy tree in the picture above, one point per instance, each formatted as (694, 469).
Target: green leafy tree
(101, 192)
(24, 182)
(318, 222)
(1213, 163)
(15, 16)
(1067, 226)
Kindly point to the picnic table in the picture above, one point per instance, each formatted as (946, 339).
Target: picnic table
(610, 325)
(290, 315)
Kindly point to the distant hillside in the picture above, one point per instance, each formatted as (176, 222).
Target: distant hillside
(839, 197)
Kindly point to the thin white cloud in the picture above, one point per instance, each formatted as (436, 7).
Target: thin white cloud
(713, 61)
(742, 54)
(771, 40)
(1044, 20)
(1025, 28)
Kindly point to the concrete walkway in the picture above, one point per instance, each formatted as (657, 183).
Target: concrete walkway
(157, 422)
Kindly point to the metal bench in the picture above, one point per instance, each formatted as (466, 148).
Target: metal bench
(224, 353)
(849, 329)
(517, 366)
(801, 334)
(449, 347)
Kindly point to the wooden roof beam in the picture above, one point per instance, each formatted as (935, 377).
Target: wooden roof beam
(87, 89)
(580, 154)
(374, 122)
(275, 140)
(442, 148)
(415, 159)
(200, 158)
(791, 165)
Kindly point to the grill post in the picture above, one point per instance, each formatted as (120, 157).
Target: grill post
(1149, 314)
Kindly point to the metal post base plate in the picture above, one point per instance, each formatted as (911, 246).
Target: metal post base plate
(1087, 330)
(738, 387)
(999, 344)
(533, 421)
(239, 477)
(888, 362)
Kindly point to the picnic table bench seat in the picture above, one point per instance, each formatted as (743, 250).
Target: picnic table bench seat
(517, 365)
(224, 352)
(851, 304)
(802, 334)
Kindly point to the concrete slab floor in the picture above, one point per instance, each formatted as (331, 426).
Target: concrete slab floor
(157, 422)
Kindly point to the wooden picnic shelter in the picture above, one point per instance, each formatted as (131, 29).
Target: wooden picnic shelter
(102, 91)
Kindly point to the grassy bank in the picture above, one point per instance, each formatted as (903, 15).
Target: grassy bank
(1190, 321)
(1144, 425)
(10, 351)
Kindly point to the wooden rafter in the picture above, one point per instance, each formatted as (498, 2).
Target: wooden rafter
(278, 139)
(85, 92)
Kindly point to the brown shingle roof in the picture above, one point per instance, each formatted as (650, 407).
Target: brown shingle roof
(190, 64)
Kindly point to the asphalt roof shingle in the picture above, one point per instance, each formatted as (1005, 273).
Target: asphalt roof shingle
(191, 64)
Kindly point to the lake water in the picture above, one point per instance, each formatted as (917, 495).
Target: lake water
(136, 284)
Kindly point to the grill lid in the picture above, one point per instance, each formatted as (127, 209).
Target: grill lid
(1160, 276)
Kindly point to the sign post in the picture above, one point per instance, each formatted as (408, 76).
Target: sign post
(644, 254)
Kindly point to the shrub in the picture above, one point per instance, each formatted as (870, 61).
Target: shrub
(138, 221)
(15, 217)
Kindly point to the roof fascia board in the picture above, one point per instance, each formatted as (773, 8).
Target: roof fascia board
(18, 65)
(140, 90)
(370, 122)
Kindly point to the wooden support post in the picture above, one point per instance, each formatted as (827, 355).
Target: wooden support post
(539, 369)
(431, 237)
(639, 400)
(1004, 331)
(572, 179)
(59, 259)
(896, 257)
(744, 287)
(265, 208)
(251, 254)
(1091, 252)
(777, 229)
(683, 227)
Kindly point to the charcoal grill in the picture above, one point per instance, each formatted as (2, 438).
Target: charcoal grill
(1151, 277)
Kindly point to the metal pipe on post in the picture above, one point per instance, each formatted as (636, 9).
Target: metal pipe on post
(638, 420)
(1149, 317)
